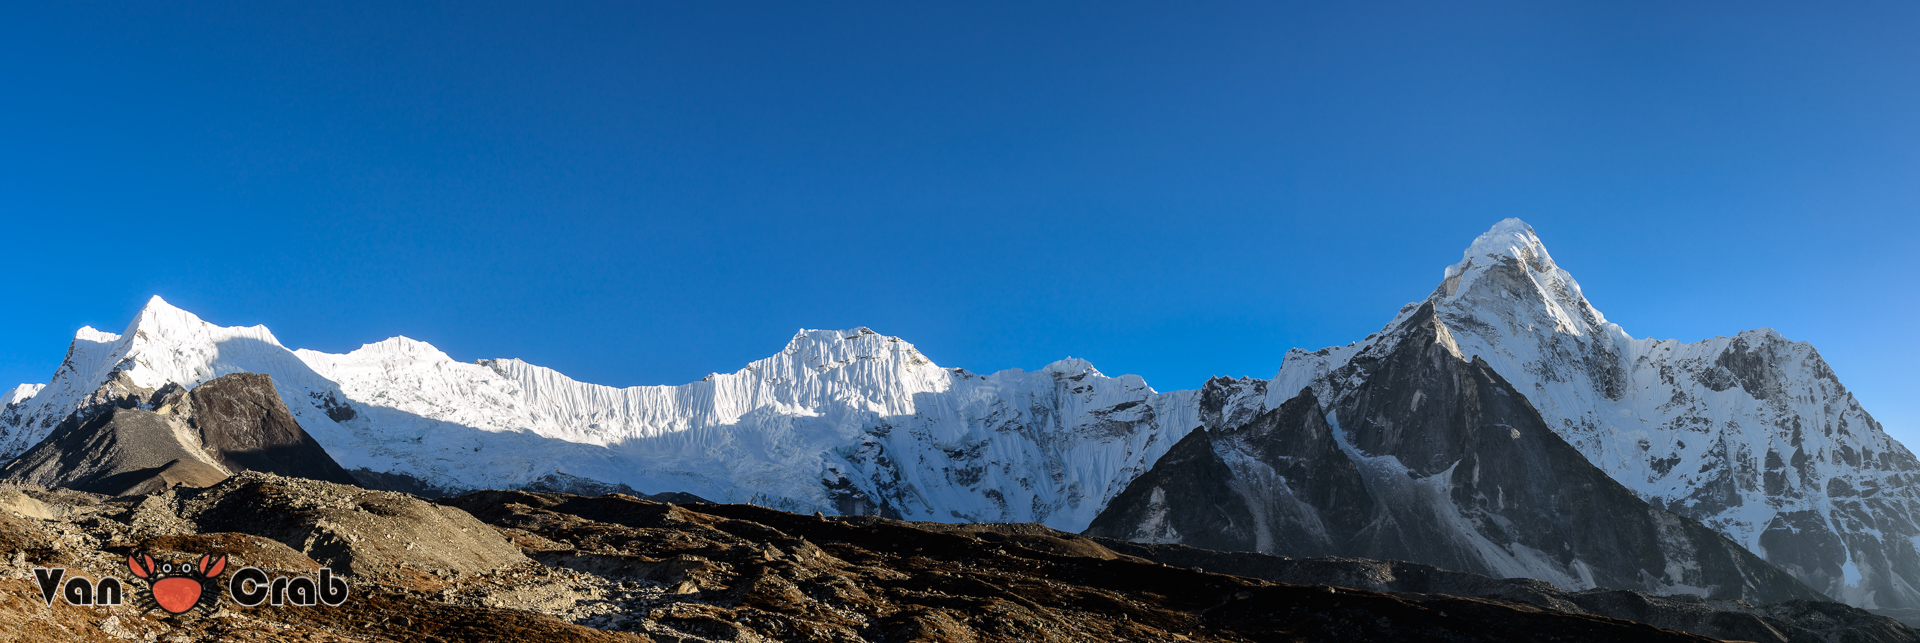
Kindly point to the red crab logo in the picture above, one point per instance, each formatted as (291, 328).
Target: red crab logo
(178, 588)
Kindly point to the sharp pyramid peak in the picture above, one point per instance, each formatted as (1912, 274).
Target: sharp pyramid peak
(157, 313)
(161, 319)
(1508, 272)
(1508, 238)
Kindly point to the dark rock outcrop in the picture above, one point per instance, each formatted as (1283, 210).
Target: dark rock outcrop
(245, 426)
(138, 441)
(1431, 457)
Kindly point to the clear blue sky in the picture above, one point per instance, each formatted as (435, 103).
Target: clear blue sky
(643, 193)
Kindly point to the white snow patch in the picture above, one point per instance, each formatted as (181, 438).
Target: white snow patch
(20, 394)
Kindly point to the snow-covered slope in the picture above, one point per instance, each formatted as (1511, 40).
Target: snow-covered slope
(1752, 434)
(839, 421)
(19, 394)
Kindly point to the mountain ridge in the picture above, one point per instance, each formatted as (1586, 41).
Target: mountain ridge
(843, 421)
(856, 422)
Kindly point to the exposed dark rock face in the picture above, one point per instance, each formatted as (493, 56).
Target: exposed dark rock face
(138, 441)
(1196, 496)
(245, 426)
(1228, 402)
(1431, 458)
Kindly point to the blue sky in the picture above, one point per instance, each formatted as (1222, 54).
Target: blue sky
(643, 193)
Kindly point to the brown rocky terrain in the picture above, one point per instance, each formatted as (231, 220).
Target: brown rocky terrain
(522, 566)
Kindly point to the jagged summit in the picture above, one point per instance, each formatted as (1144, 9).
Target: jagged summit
(830, 336)
(165, 322)
(1507, 272)
(1508, 238)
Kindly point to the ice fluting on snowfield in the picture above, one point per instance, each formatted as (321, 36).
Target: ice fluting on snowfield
(1752, 434)
(838, 421)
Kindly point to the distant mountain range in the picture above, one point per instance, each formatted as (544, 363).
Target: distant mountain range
(1750, 436)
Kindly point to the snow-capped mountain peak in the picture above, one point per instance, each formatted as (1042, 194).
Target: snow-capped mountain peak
(1508, 272)
(20, 394)
(162, 344)
(1508, 238)
(396, 345)
(837, 420)
(1751, 434)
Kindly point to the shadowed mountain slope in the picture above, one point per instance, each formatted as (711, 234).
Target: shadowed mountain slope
(1431, 458)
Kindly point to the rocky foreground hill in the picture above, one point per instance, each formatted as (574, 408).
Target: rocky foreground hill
(522, 566)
